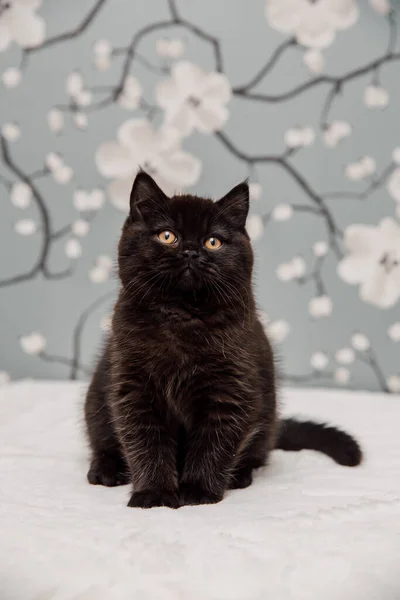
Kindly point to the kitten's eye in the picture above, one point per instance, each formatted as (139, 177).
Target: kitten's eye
(167, 237)
(213, 243)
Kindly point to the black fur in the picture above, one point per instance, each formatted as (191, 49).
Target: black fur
(183, 400)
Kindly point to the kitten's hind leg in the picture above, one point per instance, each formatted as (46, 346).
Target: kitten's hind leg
(108, 466)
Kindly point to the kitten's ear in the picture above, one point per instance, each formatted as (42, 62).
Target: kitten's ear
(146, 196)
(235, 205)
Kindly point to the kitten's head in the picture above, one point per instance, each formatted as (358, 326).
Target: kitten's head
(185, 244)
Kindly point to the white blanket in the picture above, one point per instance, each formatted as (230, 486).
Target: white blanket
(306, 529)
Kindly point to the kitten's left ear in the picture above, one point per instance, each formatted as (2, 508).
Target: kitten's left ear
(146, 196)
(235, 205)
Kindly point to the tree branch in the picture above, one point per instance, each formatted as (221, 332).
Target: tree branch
(69, 35)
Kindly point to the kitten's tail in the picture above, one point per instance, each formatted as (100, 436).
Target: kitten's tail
(307, 435)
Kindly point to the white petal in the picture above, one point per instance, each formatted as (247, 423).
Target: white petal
(99, 274)
(319, 361)
(113, 160)
(74, 84)
(255, 227)
(382, 7)
(63, 174)
(278, 330)
(5, 36)
(102, 63)
(298, 267)
(83, 98)
(380, 289)
(11, 131)
(376, 96)
(314, 60)
(180, 168)
(27, 28)
(255, 190)
(21, 194)
(210, 117)
(11, 77)
(33, 343)
(396, 155)
(320, 306)
(393, 383)
(80, 120)
(80, 227)
(320, 248)
(285, 272)
(55, 120)
(360, 342)
(393, 184)
(345, 356)
(293, 138)
(282, 212)
(73, 248)
(119, 192)
(105, 323)
(4, 378)
(102, 48)
(104, 261)
(25, 227)
(394, 332)
(53, 161)
(342, 375)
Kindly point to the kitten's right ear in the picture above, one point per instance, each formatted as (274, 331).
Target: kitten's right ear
(145, 197)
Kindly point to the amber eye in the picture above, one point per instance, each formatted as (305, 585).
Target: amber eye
(213, 243)
(167, 237)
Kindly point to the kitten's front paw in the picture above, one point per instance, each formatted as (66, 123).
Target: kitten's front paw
(109, 471)
(151, 498)
(193, 493)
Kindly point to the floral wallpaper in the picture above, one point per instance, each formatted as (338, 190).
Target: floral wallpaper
(300, 96)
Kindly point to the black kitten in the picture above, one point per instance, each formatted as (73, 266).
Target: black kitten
(183, 401)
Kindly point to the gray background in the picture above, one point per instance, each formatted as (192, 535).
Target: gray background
(62, 309)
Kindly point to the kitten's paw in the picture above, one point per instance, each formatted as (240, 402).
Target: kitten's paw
(151, 498)
(193, 493)
(109, 471)
(241, 480)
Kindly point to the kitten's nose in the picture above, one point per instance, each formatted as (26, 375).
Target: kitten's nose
(191, 254)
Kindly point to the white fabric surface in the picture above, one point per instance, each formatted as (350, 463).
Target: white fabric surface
(306, 529)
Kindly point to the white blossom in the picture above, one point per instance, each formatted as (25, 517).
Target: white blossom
(19, 23)
(4, 378)
(21, 194)
(255, 227)
(393, 383)
(345, 356)
(361, 169)
(373, 262)
(320, 249)
(278, 330)
(86, 201)
(282, 212)
(360, 342)
(375, 96)
(80, 120)
(80, 227)
(342, 375)
(320, 306)
(319, 361)
(336, 132)
(11, 132)
(11, 77)
(394, 332)
(55, 120)
(25, 227)
(73, 248)
(314, 60)
(33, 343)
(298, 137)
(383, 7)
(170, 48)
(255, 190)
